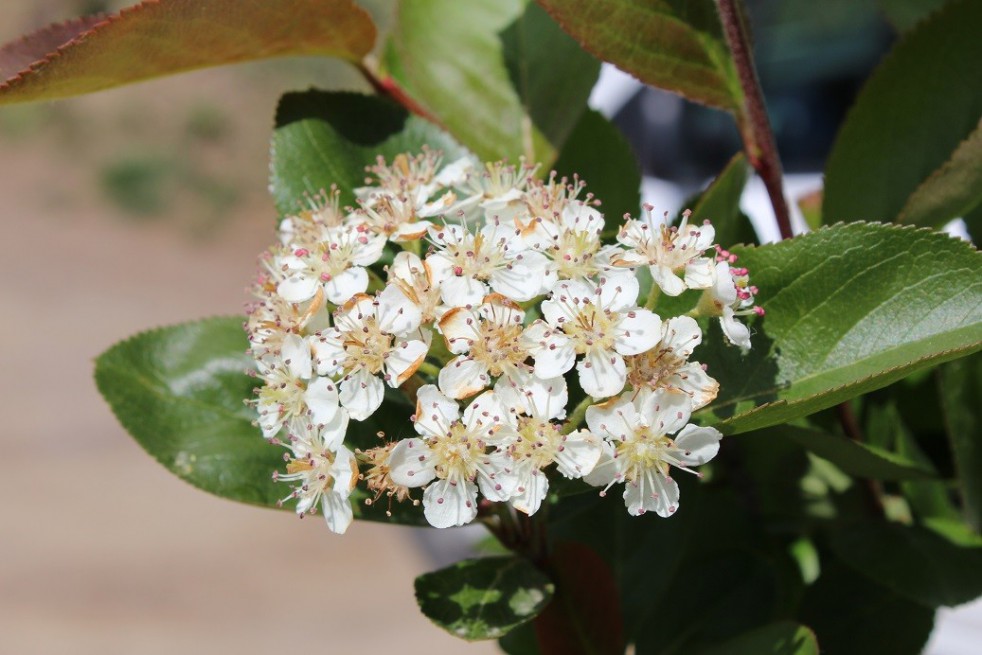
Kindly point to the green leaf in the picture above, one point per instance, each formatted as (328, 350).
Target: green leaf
(960, 388)
(904, 14)
(852, 615)
(898, 134)
(918, 564)
(720, 203)
(852, 457)
(179, 391)
(951, 191)
(500, 76)
(850, 309)
(172, 36)
(672, 45)
(810, 205)
(783, 638)
(324, 138)
(483, 598)
(599, 154)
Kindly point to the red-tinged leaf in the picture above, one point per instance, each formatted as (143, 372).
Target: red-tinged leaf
(585, 613)
(20, 54)
(671, 45)
(161, 37)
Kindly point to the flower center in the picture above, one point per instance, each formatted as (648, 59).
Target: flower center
(498, 347)
(367, 346)
(476, 258)
(455, 455)
(540, 441)
(644, 452)
(653, 368)
(590, 329)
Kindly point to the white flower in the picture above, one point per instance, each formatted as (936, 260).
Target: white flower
(540, 441)
(669, 251)
(287, 395)
(452, 456)
(731, 295)
(337, 263)
(466, 263)
(640, 451)
(600, 322)
(323, 475)
(415, 278)
(487, 343)
(369, 340)
(666, 366)
(496, 193)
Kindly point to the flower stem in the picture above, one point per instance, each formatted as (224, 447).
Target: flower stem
(576, 418)
(653, 296)
(752, 121)
(430, 369)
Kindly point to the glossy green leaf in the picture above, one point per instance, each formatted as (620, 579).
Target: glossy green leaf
(324, 138)
(850, 309)
(672, 45)
(599, 154)
(916, 563)
(720, 204)
(914, 112)
(784, 638)
(852, 615)
(483, 598)
(500, 76)
(159, 38)
(960, 388)
(180, 392)
(852, 457)
(951, 191)
(904, 14)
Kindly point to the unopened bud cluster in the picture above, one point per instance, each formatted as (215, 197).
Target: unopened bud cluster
(498, 284)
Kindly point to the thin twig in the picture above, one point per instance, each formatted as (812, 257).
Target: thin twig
(752, 121)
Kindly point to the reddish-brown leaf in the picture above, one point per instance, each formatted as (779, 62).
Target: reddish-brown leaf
(161, 37)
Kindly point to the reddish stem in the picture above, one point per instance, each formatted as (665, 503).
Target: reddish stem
(752, 121)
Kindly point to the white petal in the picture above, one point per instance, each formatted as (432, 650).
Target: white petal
(637, 331)
(736, 332)
(697, 445)
(463, 377)
(403, 360)
(460, 329)
(296, 356)
(544, 399)
(333, 432)
(552, 350)
(435, 413)
(725, 289)
(693, 380)
(665, 278)
(524, 278)
(579, 453)
(615, 419)
(619, 292)
(447, 504)
(341, 287)
(397, 314)
(682, 334)
(606, 471)
(462, 291)
(329, 352)
(652, 493)
(337, 511)
(531, 491)
(501, 311)
(321, 398)
(496, 477)
(699, 273)
(409, 463)
(297, 288)
(406, 266)
(665, 410)
(602, 373)
(361, 394)
(484, 414)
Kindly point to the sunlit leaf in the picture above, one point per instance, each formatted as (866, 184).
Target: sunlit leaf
(483, 598)
(164, 37)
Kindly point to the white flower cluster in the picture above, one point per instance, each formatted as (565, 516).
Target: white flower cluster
(498, 285)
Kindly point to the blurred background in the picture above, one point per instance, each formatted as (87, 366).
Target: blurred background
(146, 206)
